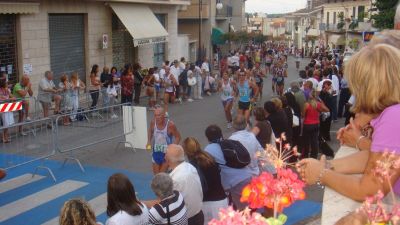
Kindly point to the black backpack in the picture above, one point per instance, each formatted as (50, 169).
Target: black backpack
(183, 78)
(235, 154)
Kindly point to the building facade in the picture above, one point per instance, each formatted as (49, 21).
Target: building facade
(69, 36)
(202, 16)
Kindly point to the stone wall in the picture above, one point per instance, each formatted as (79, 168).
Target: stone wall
(34, 35)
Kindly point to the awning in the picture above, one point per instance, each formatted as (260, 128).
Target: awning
(141, 23)
(216, 36)
(19, 8)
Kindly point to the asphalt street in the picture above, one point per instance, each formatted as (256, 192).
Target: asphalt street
(191, 118)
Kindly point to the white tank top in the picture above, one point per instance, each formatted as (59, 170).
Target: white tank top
(169, 86)
(226, 91)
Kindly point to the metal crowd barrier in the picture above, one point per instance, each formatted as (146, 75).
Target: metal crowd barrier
(28, 142)
(93, 127)
(84, 101)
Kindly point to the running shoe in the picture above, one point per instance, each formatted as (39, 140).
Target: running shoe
(114, 116)
(190, 100)
(229, 125)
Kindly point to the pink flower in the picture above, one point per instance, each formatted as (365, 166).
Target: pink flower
(229, 216)
(277, 193)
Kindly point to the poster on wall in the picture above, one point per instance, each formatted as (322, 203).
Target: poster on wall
(105, 41)
(9, 69)
(28, 69)
(3, 69)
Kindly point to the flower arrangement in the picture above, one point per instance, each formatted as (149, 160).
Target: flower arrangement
(278, 158)
(229, 216)
(267, 190)
(373, 207)
(275, 193)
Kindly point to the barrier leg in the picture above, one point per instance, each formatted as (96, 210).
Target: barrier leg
(45, 168)
(126, 142)
(73, 158)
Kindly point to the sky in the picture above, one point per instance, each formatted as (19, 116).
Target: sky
(274, 6)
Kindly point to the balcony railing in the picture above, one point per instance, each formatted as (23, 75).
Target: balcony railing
(225, 12)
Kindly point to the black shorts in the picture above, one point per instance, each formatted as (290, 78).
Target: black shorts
(244, 105)
(268, 64)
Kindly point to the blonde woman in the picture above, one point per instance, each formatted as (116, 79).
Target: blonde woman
(77, 86)
(374, 77)
(77, 212)
(214, 196)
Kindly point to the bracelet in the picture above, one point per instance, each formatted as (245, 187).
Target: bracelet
(329, 165)
(358, 141)
(319, 183)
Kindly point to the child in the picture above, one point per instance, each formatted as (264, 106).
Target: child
(7, 117)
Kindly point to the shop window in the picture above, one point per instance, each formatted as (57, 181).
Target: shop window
(8, 47)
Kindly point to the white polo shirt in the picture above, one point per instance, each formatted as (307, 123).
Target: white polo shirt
(176, 72)
(187, 182)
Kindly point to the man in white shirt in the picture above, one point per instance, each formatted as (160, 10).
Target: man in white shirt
(187, 181)
(235, 61)
(176, 71)
(336, 88)
(248, 140)
(48, 93)
(205, 66)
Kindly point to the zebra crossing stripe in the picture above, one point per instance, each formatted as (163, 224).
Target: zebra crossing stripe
(18, 182)
(98, 204)
(29, 202)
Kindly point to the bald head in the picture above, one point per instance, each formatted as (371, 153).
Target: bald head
(174, 155)
(25, 80)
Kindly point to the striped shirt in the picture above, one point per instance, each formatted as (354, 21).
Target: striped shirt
(177, 211)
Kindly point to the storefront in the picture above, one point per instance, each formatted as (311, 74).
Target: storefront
(8, 46)
(68, 36)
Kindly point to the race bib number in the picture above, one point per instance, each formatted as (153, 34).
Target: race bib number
(242, 93)
(160, 148)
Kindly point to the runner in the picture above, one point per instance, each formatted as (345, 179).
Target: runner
(280, 79)
(274, 71)
(244, 91)
(169, 94)
(258, 74)
(268, 62)
(161, 133)
(226, 88)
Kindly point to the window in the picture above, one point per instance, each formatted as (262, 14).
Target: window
(334, 17)
(159, 49)
(361, 13)
(327, 18)
(8, 47)
(354, 12)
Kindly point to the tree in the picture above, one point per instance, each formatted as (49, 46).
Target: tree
(384, 19)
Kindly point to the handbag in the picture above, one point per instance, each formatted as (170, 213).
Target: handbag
(325, 148)
(191, 81)
(296, 120)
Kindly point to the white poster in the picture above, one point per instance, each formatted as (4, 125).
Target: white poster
(28, 69)
(9, 69)
(3, 69)
(136, 122)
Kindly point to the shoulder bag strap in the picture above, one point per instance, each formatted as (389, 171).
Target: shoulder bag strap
(168, 216)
